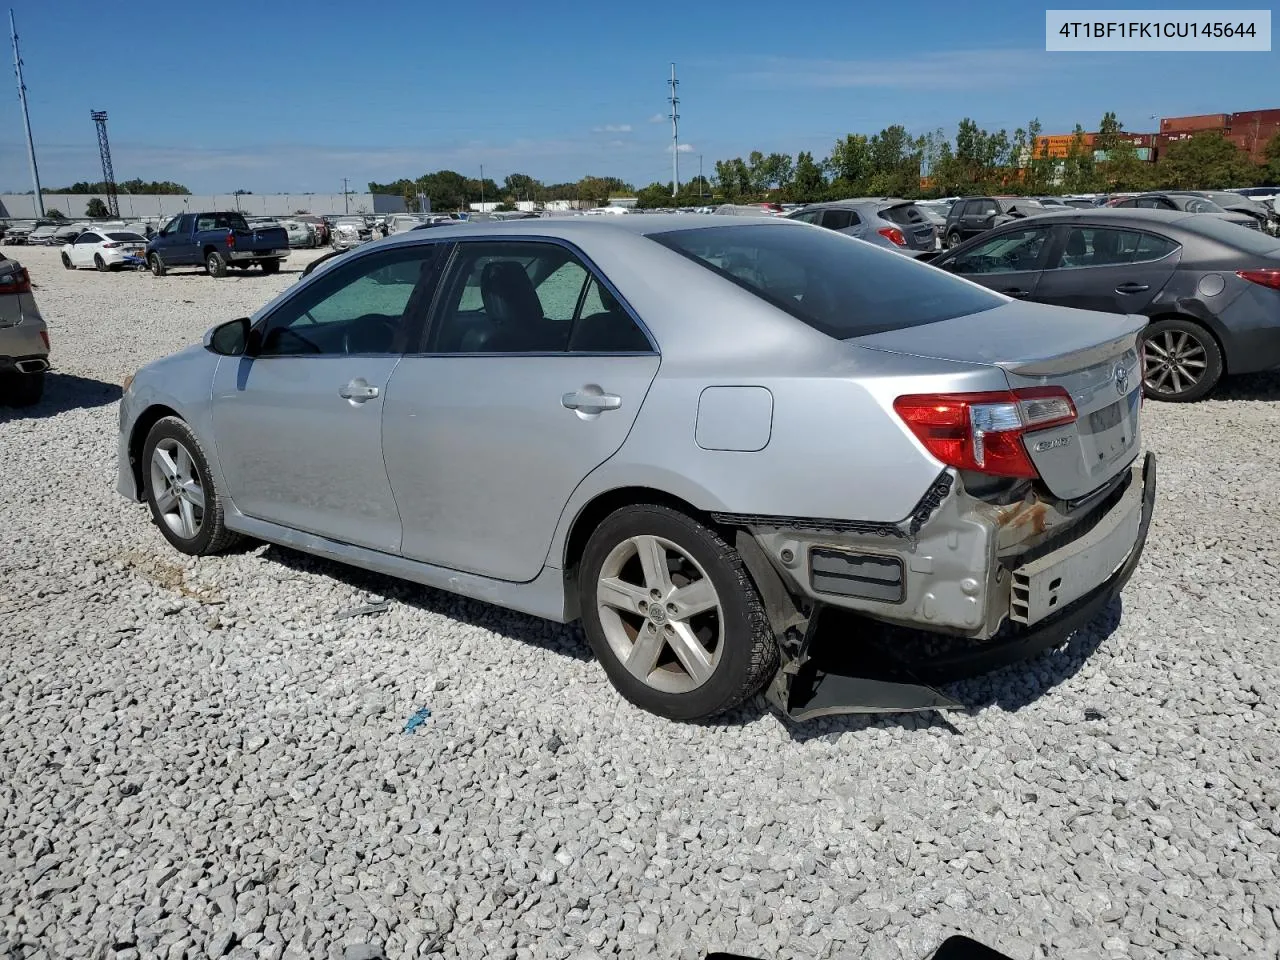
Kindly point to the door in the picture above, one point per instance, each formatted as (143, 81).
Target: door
(82, 250)
(298, 425)
(1008, 262)
(532, 373)
(1108, 269)
(175, 243)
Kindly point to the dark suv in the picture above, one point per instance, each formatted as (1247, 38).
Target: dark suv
(970, 216)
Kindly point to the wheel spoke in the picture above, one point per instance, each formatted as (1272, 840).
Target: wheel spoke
(1192, 363)
(166, 501)
(617, 593)
(653, 559)
(1158, 350)
(165, 461)
(182, 460)
(192, 493)
(188, 516)
(692, 655)
(695, 598)
(643, 659)
(1177, 379)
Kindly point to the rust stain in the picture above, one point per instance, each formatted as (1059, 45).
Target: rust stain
(1032, 516)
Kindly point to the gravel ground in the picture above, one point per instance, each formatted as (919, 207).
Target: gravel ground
(200, 758)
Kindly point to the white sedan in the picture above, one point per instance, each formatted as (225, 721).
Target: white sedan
(102, 249)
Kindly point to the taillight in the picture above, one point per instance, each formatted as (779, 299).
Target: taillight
(893, 235)
(1267, 277)
(17, 282)
(984, 431)
(231, 239)
(110, 246)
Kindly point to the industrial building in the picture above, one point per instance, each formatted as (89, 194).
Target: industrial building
(17, 206)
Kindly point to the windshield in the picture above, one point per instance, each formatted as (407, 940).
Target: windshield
(834, 283)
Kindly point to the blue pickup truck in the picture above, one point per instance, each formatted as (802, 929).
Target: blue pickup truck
(217, 242)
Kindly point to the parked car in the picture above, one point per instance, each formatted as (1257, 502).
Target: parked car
(18, 231)
(216, 241)
(43, 235)
(604, 418)
(67, 233)
(1233, 202)
(886, 222)
(300, 234)
(350, 232)
(1210, 290)
(1186, 202)
(24, 338)
(104, 250)
(318, 226)
(970, 216)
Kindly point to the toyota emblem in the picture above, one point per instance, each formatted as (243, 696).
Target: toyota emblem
(1121, 374)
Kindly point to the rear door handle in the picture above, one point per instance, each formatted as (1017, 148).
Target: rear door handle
(1015, 292)
(358, 391)
(590, 402)
(1132, 287)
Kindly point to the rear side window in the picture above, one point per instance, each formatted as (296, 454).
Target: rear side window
(830, 281)
(1106, 246)
(837, 219)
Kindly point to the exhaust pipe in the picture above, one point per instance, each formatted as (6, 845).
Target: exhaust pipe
(32, 366)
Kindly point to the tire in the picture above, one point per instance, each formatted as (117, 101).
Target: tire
(22, 389)
(735, 652)
(100, 263)
(953, 240)
(1181, 361)
(66, 263)
(157, 266)
(270, 266)
(190, 528)
(215, 264)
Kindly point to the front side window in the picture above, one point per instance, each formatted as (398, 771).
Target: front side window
(986, 208)
(830, 281)
(1012, 252)
(1107, 246)
(528, 297)
(362, 307)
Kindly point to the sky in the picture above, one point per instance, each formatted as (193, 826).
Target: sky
(285, 96)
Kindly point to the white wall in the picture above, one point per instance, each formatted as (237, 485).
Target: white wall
(135, 206)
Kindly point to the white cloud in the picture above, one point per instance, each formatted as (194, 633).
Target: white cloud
(658, 118)
(949, 70)
(613, 128)
(683, 148)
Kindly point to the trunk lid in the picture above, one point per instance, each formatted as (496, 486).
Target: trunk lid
(1093, 356)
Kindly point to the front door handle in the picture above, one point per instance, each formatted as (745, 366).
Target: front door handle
(358, 391)
(590, 401)
(1015, 292)
(1132, 287)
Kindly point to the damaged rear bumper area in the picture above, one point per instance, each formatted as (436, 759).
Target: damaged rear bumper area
(1006, 582)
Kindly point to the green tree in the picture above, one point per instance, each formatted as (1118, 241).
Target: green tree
(850, 165)
(520, 186)
(96, 208)
(53, 213)
(1205, 161)
(1271, 171)
(1109, 130)
(1078, 169)
(807, 183)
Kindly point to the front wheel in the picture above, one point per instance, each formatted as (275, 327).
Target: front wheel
(215, 264)
(1181, 361)
(953, 239)
(179, 490)
(672, 614)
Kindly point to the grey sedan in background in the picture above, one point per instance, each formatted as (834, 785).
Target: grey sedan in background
(24, 338)
(1210, 288)
(693, 433)
(884, 221)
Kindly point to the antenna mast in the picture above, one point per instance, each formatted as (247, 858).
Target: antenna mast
(99, 117)
(675, 135)
(26, 120)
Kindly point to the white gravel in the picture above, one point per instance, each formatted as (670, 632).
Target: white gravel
(198, 759)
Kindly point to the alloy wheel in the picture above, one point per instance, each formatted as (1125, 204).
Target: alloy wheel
(660, 614)
(1173, 362)
(177, 488)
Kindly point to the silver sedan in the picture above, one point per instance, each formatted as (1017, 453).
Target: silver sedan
(692, 434)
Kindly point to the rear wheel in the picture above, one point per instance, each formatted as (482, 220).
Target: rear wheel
(179, 490)
(21, 389)
(672, 614)
(1181, 361)
(100, 263)
(66, 262)
(215, 264)
(270, 266)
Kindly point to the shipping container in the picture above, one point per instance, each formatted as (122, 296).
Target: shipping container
(1204, 121)
(1254, 116)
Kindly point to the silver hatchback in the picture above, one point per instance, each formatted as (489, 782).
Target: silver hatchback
(694, 434)
(885, 221)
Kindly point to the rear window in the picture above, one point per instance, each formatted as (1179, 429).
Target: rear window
(904, 213)
(1233, 235)
(126, 237)
(832, 282)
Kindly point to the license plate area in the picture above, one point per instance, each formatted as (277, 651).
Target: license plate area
(1106, 418)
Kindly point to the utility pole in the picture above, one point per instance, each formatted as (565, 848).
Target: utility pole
(675, 135)
(346, 197)
(482, 188)
(26, 120)
(701, 179)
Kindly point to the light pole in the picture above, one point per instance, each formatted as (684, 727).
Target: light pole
(346, 206)
(482, 188)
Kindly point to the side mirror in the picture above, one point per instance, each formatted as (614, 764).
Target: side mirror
(230, 339)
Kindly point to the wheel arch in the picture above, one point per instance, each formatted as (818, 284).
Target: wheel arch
(1204, 324)
(147, 419)
(595, 510)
